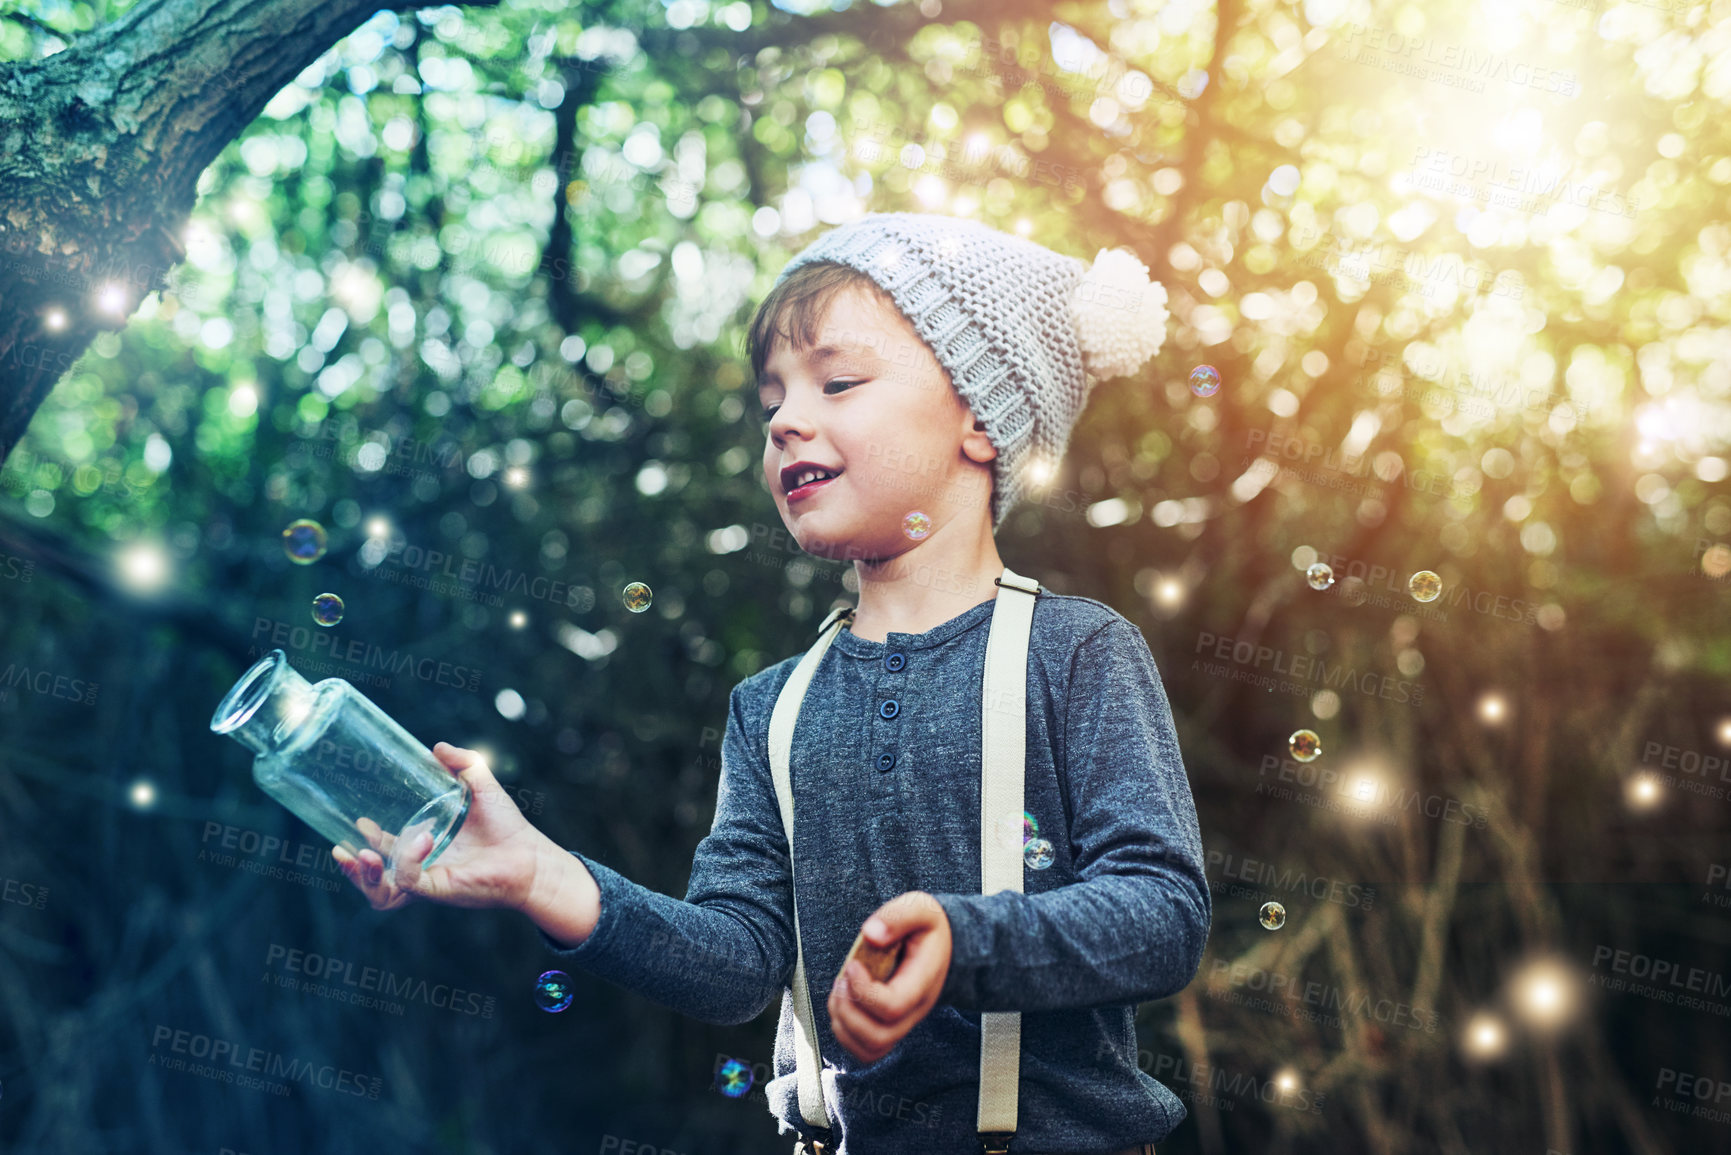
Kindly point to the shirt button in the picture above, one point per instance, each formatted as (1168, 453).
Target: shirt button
(890, 708)
(895, 661)
(886, 760)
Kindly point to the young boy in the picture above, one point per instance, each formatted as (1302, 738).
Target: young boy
(932, 368)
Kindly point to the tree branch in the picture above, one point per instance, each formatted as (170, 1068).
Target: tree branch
(106, 142)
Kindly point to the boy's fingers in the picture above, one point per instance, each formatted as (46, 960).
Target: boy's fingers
(852, 1029)
(890, 1002)
(878, 1002)
(368, 878)
(456, 757)
(919, 973)
(901, 916)
(373, 833)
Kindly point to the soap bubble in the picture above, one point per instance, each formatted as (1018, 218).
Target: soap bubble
(553, 991)
(1272, 916)
(1030, 827)
(733, 1078)
(327, 609)
(1320, 576)
(1204, 380)
(1038, 854)
(637, 597)
(916, 525)
(304, 541)
(1424, 586)
(1305, 745)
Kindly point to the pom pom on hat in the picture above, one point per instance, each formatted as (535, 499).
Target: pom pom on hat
(1120, 314)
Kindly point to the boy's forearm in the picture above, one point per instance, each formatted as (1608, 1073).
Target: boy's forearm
(563, 900)
(1073, 951)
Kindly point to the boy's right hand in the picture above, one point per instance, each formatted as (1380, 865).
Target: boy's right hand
(490, 862)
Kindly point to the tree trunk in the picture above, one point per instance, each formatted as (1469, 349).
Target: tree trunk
(101, 148)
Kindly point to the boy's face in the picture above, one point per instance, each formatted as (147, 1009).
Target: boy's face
(869, 399)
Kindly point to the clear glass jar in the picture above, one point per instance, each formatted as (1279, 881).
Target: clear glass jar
(340, 763)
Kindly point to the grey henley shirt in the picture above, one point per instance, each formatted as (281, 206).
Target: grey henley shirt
(887, 800)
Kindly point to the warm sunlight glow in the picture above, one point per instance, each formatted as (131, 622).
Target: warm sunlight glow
(1544, 993)
(1642, 791)
(1485, 1036)
(144, 567)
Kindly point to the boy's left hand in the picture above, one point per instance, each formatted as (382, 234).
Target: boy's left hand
(870, 1017)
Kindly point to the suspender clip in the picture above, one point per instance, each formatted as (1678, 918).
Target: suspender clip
(845, 613)
(996, 1142)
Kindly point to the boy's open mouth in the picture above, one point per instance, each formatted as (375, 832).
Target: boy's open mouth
(803, 480)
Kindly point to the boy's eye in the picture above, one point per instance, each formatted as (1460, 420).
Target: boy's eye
(769, 410)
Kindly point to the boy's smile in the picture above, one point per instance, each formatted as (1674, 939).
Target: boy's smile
(863, 429)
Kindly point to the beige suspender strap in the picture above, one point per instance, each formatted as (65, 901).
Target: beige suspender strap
(1003, 731)
(781, 723)
(1003, 746)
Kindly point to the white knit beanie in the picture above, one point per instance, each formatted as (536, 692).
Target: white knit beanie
(1024, 332)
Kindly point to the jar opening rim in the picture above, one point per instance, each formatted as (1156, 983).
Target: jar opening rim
(248, 694)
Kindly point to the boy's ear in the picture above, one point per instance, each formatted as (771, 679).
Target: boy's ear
(977, 445)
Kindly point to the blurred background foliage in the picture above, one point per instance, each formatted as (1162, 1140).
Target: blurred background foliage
(470, 293)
